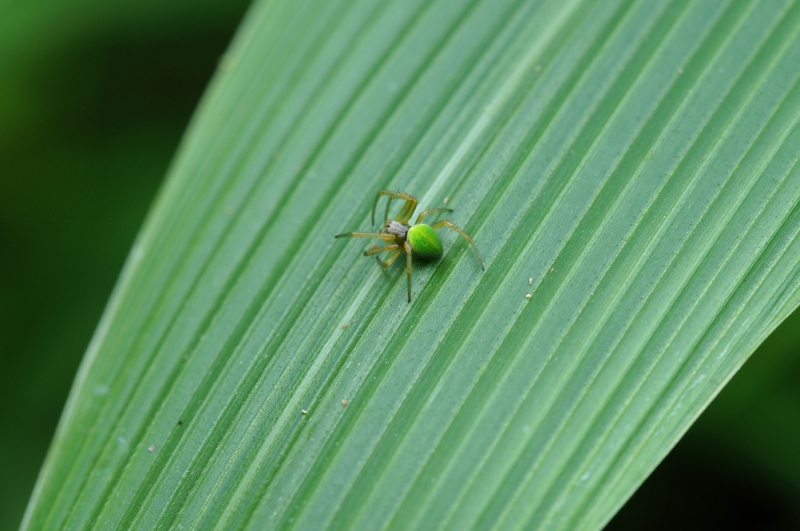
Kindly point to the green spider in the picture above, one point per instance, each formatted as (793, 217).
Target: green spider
(418, 239)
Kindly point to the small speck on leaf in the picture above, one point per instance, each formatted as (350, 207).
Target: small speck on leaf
(347, 324)
(151, 448)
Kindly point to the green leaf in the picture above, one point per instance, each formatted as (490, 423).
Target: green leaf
(630, 165)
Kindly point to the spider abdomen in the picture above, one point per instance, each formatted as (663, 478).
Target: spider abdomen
(425, 242)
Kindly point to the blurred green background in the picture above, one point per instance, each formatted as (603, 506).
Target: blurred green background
(94, 99)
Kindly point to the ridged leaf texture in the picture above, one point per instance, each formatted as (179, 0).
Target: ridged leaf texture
(630, 165)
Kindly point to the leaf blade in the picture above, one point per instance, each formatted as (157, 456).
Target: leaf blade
(652, 207)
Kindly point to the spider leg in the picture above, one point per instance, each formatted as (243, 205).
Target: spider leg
(389, 261)
(382, 235)
(407, 247)
(445, 223)
(376, 250)
(405, 213)
(432, 211)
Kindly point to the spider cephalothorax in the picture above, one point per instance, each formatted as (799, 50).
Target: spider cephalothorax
(418, 239)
